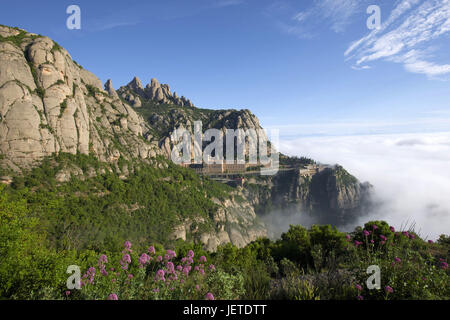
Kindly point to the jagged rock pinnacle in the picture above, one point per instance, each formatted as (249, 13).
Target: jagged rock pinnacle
(136, 84)
(110, 89)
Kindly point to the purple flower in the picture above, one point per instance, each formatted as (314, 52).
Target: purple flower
(383, 237)
(190, 253)
(358, 243)
(67, 293)
(202, 259)
(160, 275)
(383, 242)
(170, 267)
(374, 227)
(430, 241)
(173, 277)
(347, 237)
(405, 233)
(143, 259)
(179, 267)
(126, 258)
(197, 287)
(103, 259)
(113, 296)
(159, 259)
(171, 254)
(360, 297)
(130, 276)
(397, 259)
(358, 287)
(444, 265)
(186, 270)
(209, 296)
(392, 229)
(388, 289)
(366, 233)
(151, 250)
(371, 241)
(411, 236)
(202, 272)
(127, 245)
(212, 267)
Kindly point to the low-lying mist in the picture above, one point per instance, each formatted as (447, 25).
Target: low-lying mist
(410, 174)
(278, 222)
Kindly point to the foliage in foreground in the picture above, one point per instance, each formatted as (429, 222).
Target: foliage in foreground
(46, 226)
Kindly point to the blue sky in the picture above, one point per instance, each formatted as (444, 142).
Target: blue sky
(308, 67)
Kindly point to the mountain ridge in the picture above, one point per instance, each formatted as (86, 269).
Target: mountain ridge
(50, 105)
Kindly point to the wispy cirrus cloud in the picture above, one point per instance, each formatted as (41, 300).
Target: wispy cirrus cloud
(305, 22)
(406, 37)
(227, 3)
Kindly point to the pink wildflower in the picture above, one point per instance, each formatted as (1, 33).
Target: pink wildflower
(160, 275)
(113, 296)
(388, 289)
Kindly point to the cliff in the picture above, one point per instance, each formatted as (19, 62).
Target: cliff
(50, 105)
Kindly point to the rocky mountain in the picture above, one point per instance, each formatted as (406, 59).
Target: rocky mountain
(326, 194)
(133, 92)
(50, 105)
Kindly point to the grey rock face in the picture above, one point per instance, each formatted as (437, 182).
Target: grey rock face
(329, 196)
(160, 93)
(110, 89)
(49, 104)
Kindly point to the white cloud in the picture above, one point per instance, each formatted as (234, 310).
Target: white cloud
(434, 121)
(410, 173)
(338, 12)
(403, 36)
(334, 14)
(227, 3)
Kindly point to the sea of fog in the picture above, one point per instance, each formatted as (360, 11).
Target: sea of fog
(410, 174)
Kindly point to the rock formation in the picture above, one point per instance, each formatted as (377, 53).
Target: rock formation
(154, 91)
(49, 104)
